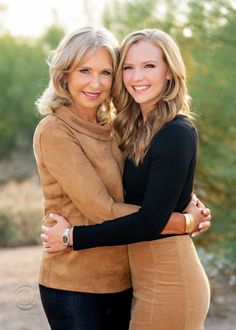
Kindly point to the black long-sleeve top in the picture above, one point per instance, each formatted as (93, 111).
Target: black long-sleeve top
(161, 184)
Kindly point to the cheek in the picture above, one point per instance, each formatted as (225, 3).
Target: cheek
(107, 83)
(126, 79)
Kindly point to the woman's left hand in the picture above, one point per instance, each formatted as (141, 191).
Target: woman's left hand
(206, 212)
(52, 236)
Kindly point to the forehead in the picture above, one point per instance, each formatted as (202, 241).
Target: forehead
(143, 51)
(97, 57)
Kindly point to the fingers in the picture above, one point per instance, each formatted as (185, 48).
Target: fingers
(56, 217)
(45, 245)
(194, 199)
(195, 234)
(202, 227)
(44, 237)
(206, 211)
(206, 218)
(45, 229)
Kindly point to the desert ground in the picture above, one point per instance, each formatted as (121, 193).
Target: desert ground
(20, 307)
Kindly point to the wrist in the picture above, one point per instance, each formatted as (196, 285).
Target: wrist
(189, 223)
(71, 236)
(66, 237)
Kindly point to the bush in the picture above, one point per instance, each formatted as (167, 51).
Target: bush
(20, 213)
(221, 271)
(20, 228)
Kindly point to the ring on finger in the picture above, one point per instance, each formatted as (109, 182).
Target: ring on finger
(45, 245)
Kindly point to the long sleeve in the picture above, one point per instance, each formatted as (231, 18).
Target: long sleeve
(168, 188)
(67, 163)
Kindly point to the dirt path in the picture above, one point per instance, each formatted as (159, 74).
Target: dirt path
(20, 307)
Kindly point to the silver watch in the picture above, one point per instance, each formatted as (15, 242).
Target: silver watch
(65, 237)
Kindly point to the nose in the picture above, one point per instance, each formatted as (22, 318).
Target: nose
(137, 75)
(95, 81)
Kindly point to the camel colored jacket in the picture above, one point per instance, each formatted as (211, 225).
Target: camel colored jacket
(80, 168)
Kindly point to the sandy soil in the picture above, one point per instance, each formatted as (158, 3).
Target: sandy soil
(20, 307)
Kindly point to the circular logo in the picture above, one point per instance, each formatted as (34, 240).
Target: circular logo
(24, 297)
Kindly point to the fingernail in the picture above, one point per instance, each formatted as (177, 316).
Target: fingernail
(200, 226)
(50, 215)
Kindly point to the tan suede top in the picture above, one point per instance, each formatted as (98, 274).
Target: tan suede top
(80, 168)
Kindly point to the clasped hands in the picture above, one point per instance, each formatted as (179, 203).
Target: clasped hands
(52, 236)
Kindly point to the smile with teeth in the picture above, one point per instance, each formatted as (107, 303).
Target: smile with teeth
(141, 87)
(91, 95)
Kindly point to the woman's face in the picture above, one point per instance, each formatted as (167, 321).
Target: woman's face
(145, 73)
(90, 83)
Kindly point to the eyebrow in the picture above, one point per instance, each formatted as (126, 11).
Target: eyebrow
(145, 62)
(88, 67)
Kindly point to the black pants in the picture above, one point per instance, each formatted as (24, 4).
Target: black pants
(86, 311)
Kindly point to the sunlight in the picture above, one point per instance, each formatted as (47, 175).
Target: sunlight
(31, 18)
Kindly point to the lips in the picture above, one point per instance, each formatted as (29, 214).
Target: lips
(140, 88)
(91, 95)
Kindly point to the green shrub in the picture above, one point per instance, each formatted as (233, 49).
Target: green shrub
(20, 228)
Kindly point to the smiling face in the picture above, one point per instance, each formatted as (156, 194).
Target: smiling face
(145, 73)
(90, 83)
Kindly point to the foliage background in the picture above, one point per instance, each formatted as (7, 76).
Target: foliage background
(205, 32)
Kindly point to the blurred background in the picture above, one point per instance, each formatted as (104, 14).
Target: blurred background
(206, 33)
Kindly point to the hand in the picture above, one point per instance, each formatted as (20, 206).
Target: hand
(197, 202)
(52, 236)
(202, 216)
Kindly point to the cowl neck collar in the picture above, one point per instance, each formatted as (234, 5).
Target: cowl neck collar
(99, 132)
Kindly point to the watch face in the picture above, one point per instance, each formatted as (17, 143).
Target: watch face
(65, 239)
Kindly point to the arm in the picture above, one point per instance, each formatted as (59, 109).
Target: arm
(151, 219)
(174, 150)
(52, 236)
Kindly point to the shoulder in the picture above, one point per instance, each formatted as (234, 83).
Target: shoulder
(50, 126)
(181, 127)
(179, 134)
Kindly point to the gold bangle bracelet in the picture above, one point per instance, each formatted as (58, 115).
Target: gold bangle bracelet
(189, 223)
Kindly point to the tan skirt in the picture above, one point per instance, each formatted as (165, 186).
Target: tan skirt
(171, 289)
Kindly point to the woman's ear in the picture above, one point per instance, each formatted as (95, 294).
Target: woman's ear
(65, 78)
(169, 75)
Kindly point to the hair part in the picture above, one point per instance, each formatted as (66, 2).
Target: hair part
(133, 134)
(71, 51)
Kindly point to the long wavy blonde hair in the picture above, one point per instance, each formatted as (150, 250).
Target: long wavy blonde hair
(134, 135)
(72, 49)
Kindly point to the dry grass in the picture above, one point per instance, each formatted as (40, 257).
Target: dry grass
(20, 212)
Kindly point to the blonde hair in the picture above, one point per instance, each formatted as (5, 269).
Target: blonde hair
(129, 128)
(68, 55)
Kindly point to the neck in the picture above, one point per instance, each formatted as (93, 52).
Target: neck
(89, 115)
